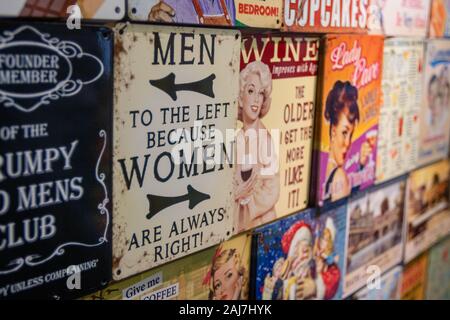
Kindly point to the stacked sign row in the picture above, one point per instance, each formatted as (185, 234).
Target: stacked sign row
(158, 142)
(418, 18)
(356, 249)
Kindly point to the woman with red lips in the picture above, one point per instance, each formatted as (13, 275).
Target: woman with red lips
(227, 278)
(342, 112)
(256, 177)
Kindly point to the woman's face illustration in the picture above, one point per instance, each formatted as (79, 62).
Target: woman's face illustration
(253, 98)
(225, 280)
(341, 137)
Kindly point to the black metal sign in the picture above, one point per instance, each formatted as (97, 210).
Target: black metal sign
(55, 160)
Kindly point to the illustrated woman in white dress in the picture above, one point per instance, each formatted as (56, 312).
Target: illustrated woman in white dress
(257, 178)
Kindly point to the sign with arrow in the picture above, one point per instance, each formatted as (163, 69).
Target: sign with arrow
(159, 203)
(168, 85)
(176, 95)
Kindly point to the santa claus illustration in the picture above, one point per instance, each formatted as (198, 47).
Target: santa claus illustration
(303, 279)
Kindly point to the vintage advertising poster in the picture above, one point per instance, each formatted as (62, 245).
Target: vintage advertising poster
(438, 281)
(325, 16)
(384, 289)
(427, 208)
(435, 111)
(240, 13)
(374, 236)
(440, 19)
(301, 257)
(86, 9)
(347, 120)
(276, 116)
(415, 278)
(55, 160)
(219, 273)
(399, 114)
(399, 18)
(175, 115)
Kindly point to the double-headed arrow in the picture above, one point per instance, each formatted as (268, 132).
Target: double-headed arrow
(159, 203)
(168, 85)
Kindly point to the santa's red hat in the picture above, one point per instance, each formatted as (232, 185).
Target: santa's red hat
(300, 230)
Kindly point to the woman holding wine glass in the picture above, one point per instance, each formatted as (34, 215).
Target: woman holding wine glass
(256, 177)
(342, 113)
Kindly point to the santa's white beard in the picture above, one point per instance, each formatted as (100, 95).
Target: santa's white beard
(301, 270)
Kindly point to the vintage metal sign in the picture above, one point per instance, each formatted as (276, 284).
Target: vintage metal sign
(387, 289)
(259, 13)
(200, 276)
(414, 279)
(349, 105)
(175, 117)
(398, 138)
(439, 19)
(374, 234)
(274, 182)
(438, 280)
(301, 257)
(427, 208)
(343, 16)
(435, 109)
(251, 13)
(399, 18)
(55, 170)
(86, 9)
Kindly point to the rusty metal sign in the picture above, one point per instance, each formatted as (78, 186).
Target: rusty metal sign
(86, 9)
(174, 119)
(191, 278)
(250, 13)
(55, 160)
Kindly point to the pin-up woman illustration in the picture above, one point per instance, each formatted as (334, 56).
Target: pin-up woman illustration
(257, 181)
(342, 113)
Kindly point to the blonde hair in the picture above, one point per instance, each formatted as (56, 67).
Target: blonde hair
(330, 245)
(222, 259)
(262, 70)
